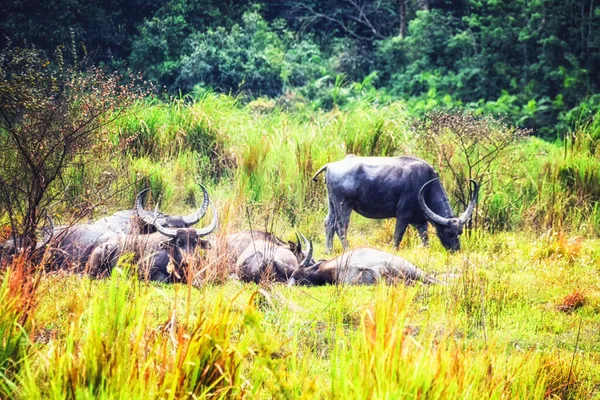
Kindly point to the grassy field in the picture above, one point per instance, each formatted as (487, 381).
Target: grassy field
(518, 315)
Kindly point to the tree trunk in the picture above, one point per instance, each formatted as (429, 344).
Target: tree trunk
(402, 13)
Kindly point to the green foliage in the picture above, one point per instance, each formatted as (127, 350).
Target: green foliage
(161, 40)
(494, 59)
(534, 62)
(255, 57)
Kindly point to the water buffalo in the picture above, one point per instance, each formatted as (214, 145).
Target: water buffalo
(405, 188)
(258, 253)
(163, 254)
(362, 266)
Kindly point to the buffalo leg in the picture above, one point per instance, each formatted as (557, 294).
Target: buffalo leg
(329, 228)
(423, 233)
(342, 221)
(399, 231)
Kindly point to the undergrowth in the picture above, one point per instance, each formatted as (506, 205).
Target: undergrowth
(516, 317)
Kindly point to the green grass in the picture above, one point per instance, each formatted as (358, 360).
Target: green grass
(517, 318)
(266, 159)
(495, 330)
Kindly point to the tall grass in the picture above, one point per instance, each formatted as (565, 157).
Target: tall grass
(111, 349)
(268, 157)
(18, 296)
(495, 330)
(505, 324)
(394, 362)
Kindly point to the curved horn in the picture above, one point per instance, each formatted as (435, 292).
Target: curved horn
(467, 214)
(298, 243)
(193, 218)
(213, 224)
(146, 216)
(170, 232)
(309, 246)
(438, 219)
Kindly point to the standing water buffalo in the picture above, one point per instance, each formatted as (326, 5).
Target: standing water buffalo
(362, 266)
(406, 188)
(254, 252)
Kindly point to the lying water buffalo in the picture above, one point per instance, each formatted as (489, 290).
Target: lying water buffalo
(11, 247)
(256, 253)
(163, 254)
(406, 188)
(362, 266)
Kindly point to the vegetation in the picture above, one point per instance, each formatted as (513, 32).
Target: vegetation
(498, 330)
(516, 318)
(535, 62)
(255, 96)
(50, 115)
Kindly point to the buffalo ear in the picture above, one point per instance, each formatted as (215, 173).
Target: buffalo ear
(205, 244)
(293, 247)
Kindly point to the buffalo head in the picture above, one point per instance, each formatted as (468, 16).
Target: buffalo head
(180, 247)
(449, 229)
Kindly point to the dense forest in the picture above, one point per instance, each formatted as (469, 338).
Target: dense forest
(536, 62)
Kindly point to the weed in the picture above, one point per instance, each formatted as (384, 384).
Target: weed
(572, 301)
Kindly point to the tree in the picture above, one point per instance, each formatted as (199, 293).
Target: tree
(402, 14)
(50, 115)
(468, 147)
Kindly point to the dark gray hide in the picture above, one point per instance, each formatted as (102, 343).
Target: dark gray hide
(390, 187)
(161, 256)
(96, 247)
(256, 254)
(362, 266)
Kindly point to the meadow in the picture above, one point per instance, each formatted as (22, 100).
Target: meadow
(518, 315)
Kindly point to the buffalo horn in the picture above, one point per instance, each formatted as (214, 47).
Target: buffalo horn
(467, 214)
(438, 219)
(170, 232)
(213, 224)
(306, 261)
(193, 218)
(146, 216)
(299, 244)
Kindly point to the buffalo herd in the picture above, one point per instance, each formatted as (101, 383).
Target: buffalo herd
(164, 247)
